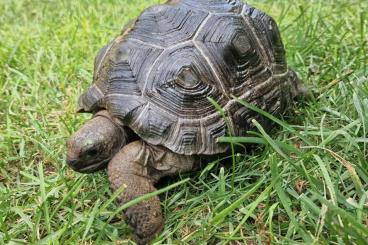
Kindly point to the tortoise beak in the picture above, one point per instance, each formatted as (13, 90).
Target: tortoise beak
(73, 163)
(72, 160)
(78, 166)
(81, 166)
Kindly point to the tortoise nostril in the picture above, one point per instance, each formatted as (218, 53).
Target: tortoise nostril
(72, 162)
(72, 156)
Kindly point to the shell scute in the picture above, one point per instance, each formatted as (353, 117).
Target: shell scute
(163, 25)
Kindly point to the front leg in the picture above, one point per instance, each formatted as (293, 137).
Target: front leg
(139, 166)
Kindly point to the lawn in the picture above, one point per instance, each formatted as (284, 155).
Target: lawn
(306, 183)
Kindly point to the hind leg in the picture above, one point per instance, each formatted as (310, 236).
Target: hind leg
(139, 166)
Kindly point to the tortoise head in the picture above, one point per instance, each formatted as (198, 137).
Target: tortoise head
(92, 146)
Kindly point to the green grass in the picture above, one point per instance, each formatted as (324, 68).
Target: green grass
(306, 182)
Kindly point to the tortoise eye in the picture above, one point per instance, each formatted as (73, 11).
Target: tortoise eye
(92, 152)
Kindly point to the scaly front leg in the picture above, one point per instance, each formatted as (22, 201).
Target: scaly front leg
(139, 166)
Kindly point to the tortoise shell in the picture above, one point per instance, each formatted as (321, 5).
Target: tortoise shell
(157, 76)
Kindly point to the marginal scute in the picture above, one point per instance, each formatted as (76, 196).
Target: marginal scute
(124, 107)
(242, 117)
(212, 128)
(99, 58)
(91, 100)
(188, 138)
(153, 124)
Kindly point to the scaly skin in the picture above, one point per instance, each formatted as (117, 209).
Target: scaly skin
(93, 145)
(139, 166)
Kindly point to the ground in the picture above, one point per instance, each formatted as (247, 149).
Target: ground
(305, 182)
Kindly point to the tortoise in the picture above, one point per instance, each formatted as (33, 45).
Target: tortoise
(149, 98)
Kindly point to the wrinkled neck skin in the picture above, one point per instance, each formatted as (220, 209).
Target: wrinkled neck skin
(92, 146)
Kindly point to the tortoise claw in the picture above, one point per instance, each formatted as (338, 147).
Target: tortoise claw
(146, 221)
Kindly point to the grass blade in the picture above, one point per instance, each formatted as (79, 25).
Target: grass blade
(44, 202)
(285, 200)
(92, 216)
(218, 218)
(270, 140)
